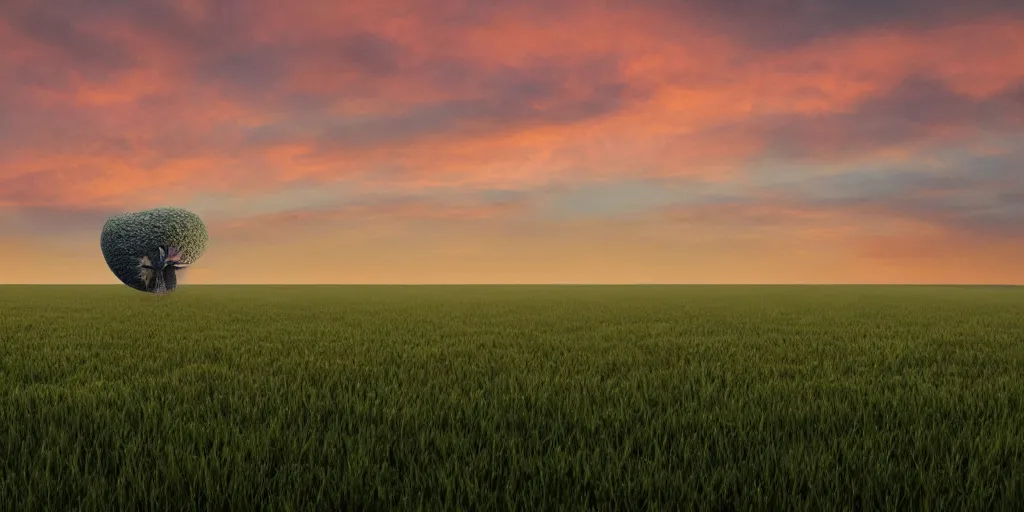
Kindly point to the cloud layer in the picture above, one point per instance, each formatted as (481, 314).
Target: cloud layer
(526, 141)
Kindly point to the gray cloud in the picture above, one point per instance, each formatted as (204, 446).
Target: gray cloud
(54, 220)
(370, 53)
(980, 196)
(915, 110)
(510, 97)
(778, 24)
(51, 24)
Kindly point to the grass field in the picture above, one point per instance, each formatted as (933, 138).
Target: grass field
(518, 397)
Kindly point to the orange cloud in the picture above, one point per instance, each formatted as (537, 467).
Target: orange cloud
(107, 106)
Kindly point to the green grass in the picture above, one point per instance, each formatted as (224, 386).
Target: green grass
(518, 397)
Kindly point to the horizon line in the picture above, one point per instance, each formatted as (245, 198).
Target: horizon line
(539, 284)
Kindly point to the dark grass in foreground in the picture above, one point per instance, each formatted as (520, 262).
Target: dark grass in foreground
(528, 397)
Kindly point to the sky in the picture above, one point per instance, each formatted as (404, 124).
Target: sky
(525, 141)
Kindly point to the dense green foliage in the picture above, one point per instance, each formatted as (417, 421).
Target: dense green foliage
(526, 397)
(127, 237)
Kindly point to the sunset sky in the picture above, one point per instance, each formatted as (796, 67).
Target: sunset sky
(520, 141)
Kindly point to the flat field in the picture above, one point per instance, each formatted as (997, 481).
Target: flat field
(512, 397)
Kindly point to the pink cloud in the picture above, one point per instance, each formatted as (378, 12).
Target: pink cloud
(106, 108)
